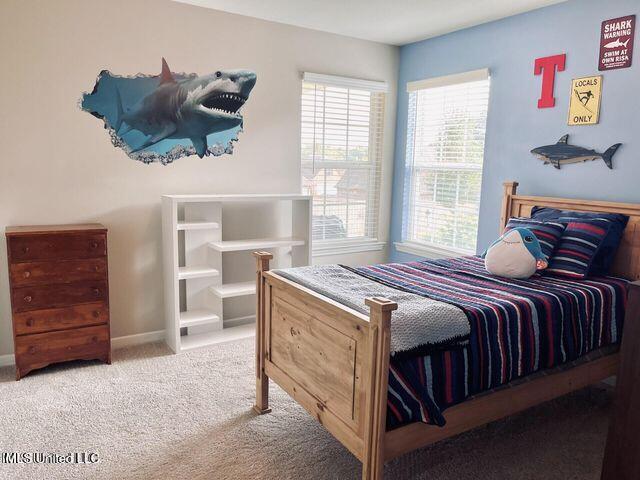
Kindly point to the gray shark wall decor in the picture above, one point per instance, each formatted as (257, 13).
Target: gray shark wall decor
(164, 117)
(561, 153)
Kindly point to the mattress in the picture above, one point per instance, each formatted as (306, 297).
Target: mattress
(518, 328)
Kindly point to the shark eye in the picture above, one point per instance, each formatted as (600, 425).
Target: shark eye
(218, 74)
(528, 239)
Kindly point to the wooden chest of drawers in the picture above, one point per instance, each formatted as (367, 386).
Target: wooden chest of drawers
(59, 294)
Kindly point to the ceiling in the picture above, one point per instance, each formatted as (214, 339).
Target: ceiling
(395, 22)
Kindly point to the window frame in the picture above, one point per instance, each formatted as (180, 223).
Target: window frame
(408, 243)
(370, 241)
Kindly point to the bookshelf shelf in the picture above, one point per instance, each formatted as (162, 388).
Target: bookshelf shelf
(199, 279)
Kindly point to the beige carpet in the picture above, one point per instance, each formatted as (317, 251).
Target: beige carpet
(152, 415)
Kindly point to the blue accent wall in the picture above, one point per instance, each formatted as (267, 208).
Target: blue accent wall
(515, 125)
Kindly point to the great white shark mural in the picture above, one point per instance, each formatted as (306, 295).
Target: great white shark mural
(162, 118)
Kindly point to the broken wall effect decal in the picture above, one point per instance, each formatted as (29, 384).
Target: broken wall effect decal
(561, 153)
(162, 118)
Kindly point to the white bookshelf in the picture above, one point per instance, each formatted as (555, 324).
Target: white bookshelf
(198, 225)
(230, 290)
(255, 243)
(197, 271)
(209, 278)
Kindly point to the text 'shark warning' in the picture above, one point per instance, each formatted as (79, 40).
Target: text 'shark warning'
(616, 43)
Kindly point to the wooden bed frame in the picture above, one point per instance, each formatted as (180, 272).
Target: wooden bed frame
(334, 361)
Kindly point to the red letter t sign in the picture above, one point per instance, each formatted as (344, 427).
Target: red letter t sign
(547, 66)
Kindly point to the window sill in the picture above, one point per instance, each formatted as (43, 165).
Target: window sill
(429, 251)
(341, 248)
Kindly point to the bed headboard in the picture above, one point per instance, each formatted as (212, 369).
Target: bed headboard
(627, 262)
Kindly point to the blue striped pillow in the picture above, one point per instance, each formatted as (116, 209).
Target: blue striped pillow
(606, 254)
(578, 247)
(547, 233)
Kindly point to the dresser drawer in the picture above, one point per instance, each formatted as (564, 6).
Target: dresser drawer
(38, 321)
(57, 247)
(52, 296)
(33, 351)
(43, 273)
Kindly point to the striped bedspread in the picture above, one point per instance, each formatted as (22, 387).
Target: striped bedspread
(518, 327)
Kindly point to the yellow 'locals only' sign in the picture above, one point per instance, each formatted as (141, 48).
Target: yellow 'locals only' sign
(584, 107)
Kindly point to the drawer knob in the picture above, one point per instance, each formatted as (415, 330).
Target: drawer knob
(27, 274)
(94, 339)
(96, 268)
(31, 349)
(25, 249)
(28, 299)
(94, 244)
(96, 313)
(29, 322)
(96, 291)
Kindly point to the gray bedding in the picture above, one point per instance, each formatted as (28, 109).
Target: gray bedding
(419, 323)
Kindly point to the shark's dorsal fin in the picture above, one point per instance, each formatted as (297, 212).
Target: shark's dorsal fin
(564, 138)
(166, 76)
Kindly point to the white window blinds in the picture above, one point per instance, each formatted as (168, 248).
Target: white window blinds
(341, 155)
(445, 152)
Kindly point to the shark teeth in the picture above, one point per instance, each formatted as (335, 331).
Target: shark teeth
(220, 110)
(227, 103)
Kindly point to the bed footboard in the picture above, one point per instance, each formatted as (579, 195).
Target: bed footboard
(332, 360)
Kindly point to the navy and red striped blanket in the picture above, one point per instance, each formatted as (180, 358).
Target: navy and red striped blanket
(518, 327)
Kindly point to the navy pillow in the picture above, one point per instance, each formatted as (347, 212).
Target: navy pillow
(578, 247)
(607, 251)
(547, 233)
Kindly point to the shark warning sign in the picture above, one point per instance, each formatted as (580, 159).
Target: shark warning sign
(616, 42)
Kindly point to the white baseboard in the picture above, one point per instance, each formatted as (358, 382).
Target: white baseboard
(6, 360)
(117, 342)
(137, 339)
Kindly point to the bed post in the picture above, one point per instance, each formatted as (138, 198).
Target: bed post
(378, 384)
(262, 381)
(510, 189)
(621, 461)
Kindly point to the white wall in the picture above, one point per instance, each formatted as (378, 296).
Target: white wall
(58, 164)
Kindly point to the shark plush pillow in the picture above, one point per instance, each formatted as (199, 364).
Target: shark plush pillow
(516, 254)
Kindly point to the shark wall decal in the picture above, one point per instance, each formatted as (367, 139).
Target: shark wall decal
(162, 118)
(562, 153)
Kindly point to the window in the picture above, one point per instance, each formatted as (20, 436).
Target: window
(446, 126)
(341, 155)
